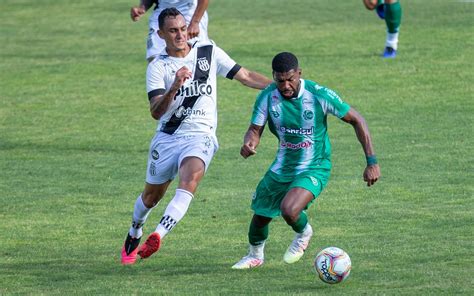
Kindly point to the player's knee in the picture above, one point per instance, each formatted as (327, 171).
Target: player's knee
(290, 214)
(150, 198)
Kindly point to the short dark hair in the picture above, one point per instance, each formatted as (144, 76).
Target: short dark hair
(167, 12)
(284, 62)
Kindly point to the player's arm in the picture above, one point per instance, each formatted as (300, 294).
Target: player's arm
(160, 103)
(252, 79)
(372, 171)
(193, 28)
(251, 140)
(137, 11)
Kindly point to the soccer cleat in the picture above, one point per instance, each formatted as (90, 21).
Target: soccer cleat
(248, 262)
(389, 53)
(151, 245)
(130, 250)
(297, 247)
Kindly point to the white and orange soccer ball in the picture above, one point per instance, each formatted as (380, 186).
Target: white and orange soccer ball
(333, 265)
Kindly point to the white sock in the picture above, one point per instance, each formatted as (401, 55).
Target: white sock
(257, 251)
(140, 213)
(174, 212)
(392, 40)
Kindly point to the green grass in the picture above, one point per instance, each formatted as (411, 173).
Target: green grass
(75, 129)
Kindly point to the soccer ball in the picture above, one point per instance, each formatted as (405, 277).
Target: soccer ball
(333, 265)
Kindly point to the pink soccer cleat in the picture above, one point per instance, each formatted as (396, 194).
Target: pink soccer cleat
(130, 250)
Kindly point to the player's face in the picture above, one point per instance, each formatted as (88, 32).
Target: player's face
(288, 83)
(174, 32)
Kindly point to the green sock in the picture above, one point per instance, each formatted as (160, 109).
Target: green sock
(300, 224)
(257, 235)
(393, 16)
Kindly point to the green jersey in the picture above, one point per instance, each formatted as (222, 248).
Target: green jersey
(300, 124)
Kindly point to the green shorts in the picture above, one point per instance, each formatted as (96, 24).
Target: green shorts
(271, 191)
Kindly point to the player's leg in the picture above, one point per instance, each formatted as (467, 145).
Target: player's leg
(266, 206)
(195, 154)
(258, 234)
(393, 18)
(292, 210)
(145, 202)
(162, 167)
(191, 171)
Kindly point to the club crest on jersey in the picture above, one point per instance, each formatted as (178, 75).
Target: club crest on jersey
(203, 64)
(308, 114)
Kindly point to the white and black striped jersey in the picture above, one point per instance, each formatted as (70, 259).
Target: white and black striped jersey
(194, 108)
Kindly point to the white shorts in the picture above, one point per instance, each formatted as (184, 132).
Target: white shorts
(167, 151)
(155, 45)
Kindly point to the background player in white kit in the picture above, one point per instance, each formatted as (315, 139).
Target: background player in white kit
(181, 85)
(194, 12)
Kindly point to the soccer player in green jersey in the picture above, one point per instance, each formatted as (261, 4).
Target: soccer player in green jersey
(295, 110)
(391, 11)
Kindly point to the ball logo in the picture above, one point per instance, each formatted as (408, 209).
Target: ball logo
(324, 270)
(203, 64)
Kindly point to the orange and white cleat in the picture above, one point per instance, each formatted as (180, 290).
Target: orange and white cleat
(151, 245)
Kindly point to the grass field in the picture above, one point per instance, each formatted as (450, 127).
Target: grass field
(75, 129)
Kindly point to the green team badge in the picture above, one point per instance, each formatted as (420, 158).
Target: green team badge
(308, 114)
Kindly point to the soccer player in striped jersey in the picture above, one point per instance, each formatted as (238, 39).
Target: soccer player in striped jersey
(194, 12)
(182, 89)
(391, 11)
(295, 111)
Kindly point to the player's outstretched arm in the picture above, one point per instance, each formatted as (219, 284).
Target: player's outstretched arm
(193, 28)
(372, 171)
(251, 140)
(137, 11)
(159, 104)
(252, 79)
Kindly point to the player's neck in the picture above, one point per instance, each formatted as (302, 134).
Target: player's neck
(179, 53)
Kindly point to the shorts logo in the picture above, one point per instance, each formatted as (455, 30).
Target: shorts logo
(203, 64)
(308, 114)
(152, 169)
(254, 195)
(275, 114)
(207, 142)
(149, 41)
(314, 180)
(155, 155)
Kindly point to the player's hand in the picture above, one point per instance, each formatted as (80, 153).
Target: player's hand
(136, 12)
(193, 30)
(247, 149)
(181, 76)
(371, 174)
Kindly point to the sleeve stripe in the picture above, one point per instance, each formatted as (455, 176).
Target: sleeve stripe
(233, 71)
(155, 92)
